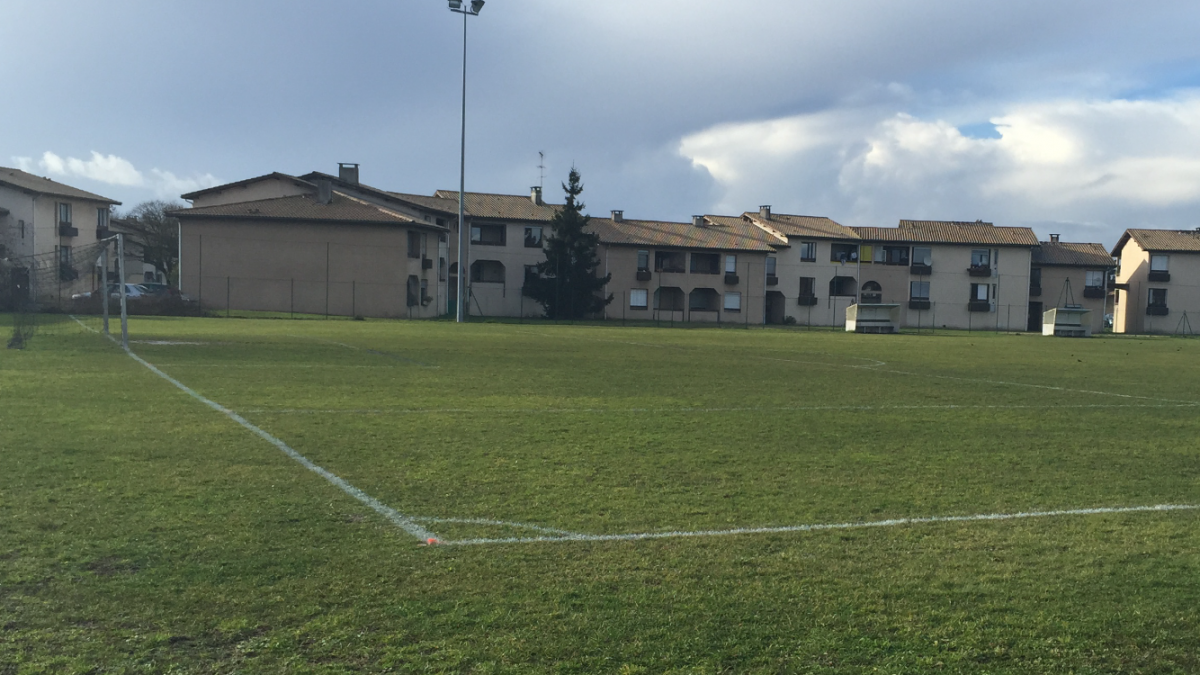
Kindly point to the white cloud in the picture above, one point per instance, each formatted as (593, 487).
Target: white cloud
(1101, 162)
(115, 170)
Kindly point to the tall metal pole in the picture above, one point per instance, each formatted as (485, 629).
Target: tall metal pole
(104, 286)
(462, 186)
(121, 285)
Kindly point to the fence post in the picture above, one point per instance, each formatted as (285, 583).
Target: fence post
(354, 298)
(228, 294)
(292, 299)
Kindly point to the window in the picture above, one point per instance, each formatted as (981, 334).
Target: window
(425, 292)
(64, 213)
(533, 237)
(918, 290)
(705, 263)
(412, 291)
(1093, 279)
(770, 267)
(440, 221)
(488, 235)
(872, 293)
(414, 244)
(808, 251)
(703, 300)
(922, 255)
(843, 253)
(487, 271)
(1158, 297)
(1158, 263)
(531, 274)
(669, 261)
(981, 257)
(64, 256)
(669, 298)
(639, 298)
(733, 302)
(843, 286)
(1035, 277)
(979, 292)
(643, 261)
(895, 255)
(21, 225)
(441, 269)
(731, 264)
(808, 287)
(102, 219)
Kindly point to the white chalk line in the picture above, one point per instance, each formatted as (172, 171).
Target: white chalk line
(685, 410)
(895, 522)
(500, 523)
(395, 517)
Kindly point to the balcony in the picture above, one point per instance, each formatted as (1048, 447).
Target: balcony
(980, 270)
(1156, 310)
(806, 300)
(1093, 292)
(772, 280)
(731, 279)
(103, 233)
(1035, 291)
(979, 306)
(919, 304)
(1160, 275)
(65, 230)
(426, 263)
(643, 275)
(921, 270)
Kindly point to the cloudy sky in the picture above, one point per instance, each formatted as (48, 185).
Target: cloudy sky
(1073, 116)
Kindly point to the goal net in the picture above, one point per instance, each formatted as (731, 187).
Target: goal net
(58, 292)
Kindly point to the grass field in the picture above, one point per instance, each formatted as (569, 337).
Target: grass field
(590, 488)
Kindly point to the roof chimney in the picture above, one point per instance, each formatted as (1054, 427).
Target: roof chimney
(1054, 239)
(348, 173)
(324, 191)
(764, 211)
(618, 216)
(698, 221)
(535, 194)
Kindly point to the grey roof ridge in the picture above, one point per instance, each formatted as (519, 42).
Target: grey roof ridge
(245, 181)
(90, 196)
(381, 192)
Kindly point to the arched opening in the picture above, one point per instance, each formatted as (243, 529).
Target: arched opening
(843, 286)
(704, 300)
(872, 293)
(487, 272)
(669, 298)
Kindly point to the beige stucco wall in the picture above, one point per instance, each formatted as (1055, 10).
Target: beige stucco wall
(1183, 292)
(268, 188)
(621, 262)
(1054, 280)
(307, 268)
(505, 299)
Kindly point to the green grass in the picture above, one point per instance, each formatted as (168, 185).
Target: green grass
(141, 531)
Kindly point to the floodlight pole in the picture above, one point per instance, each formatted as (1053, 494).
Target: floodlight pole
(463, 240)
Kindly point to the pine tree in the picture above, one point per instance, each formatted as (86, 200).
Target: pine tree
(566, 284)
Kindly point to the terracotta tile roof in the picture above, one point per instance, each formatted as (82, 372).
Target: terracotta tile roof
(501, 207)
(718, 233)
(950, 232)
(1180, 241)
(337, 182)
(431, 203)
(810, 227)
(1067, 254)
(343, 209)
(28, 182)
(249, 181)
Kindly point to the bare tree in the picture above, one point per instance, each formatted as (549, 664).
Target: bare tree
(155, 232)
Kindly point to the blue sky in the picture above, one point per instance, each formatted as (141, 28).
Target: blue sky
(1070, 116)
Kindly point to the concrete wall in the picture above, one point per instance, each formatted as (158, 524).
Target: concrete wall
(1183, 293)
(505, 299)
(621, 262)
(310, 268)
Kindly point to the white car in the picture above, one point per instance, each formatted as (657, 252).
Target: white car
(114, 291)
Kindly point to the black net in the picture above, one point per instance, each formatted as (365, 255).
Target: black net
(55, 292)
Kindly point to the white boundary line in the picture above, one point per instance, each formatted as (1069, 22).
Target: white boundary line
(599, 411)
(895, 522)
(398, 519)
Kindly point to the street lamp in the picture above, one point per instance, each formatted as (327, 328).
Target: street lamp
(457, 6)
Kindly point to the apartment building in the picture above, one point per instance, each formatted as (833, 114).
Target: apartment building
(1157, 281)
(711, 270)
(46, 223)
(1069, 275)
(315, 244)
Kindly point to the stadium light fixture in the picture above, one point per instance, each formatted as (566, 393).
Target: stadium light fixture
(463, 240)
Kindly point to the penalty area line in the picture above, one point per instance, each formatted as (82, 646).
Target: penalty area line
(895, 522)
(395, 517)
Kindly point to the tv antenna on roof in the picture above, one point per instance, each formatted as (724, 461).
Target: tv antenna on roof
(541, 169)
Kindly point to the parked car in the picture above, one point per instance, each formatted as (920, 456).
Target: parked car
(114, 291)
(157, 290)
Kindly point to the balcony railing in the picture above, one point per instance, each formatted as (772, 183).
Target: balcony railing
(65, 230)
(1160, 275)
(980, 270)
(806, 300)
(1093, 292)
(979, 306)
(1035, 291)
(731, 279)
(426, 263)
(921, 270)
(919, 304)
(643, 275)
(103, 233)
(772, 280)
(1156, 310)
